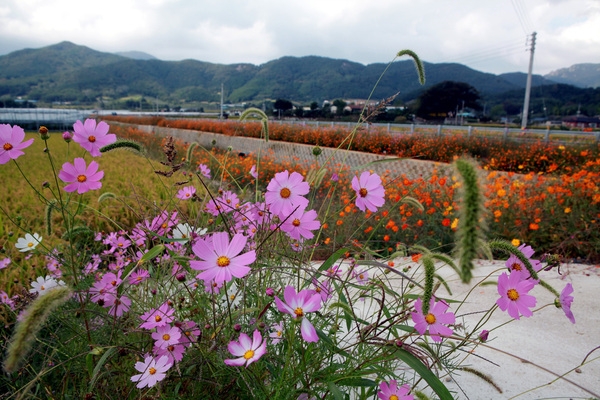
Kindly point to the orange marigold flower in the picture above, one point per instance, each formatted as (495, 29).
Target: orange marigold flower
(497, 213)
(446, 222)
(325, 225)
(567, 210)
(501, 193)
(327, 241)
(533, 226)
(420, 223)
(515, 242)
(390, 263)
(416, 257)
(386, 238)
(339, 222)
(369, 229)
(395, 228)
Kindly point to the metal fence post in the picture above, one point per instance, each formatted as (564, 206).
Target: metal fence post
(412, 128)
(439, 130)
(505, 133)
(547, 135)
(469, 131)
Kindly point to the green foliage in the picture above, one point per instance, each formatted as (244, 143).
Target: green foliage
(32, 321)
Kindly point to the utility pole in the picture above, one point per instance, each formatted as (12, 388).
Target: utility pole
(528, 86)
(221, 114)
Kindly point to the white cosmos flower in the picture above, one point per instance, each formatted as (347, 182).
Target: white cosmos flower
(42, 285)
(184, 232)
(29, 242)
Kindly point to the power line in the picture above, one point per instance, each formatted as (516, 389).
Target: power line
(522, 16)
(489, 53)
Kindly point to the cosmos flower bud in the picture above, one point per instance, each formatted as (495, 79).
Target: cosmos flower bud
(316, 151)
(270, 292)
(483, 336)
(44, 133)
(67, 136)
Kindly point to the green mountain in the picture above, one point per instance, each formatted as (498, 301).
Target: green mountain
(66, 72)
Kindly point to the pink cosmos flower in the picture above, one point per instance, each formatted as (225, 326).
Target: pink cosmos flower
(186, 193)
(300, 224)
(276, 332)
(173, 352)
(4, 299)
(248, 350)
(92, 137)
(204, 170)
(119, 305)
(155, 318)
(227, 202)
(220, 259)
(189, 332)
(434, 320)
(297, 305)
(11, 142)
(565, 299)
(152, 370)
(253, 172)
(285, 193)
(513, 263)
(388, 391)
(514, 297)
(362, 277)
(81, 177)
(369, 191)
(4, 263)
(166, 335)
(323, 289)
(138, 276)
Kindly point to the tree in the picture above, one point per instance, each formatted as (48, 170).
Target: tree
(281, 106)
(445, 97)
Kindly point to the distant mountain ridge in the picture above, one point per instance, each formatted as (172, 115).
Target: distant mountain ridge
(74, 73)
(581, 75)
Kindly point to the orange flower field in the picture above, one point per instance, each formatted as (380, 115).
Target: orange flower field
(545, 195)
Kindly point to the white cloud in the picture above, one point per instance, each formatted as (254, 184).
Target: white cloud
(488, 36)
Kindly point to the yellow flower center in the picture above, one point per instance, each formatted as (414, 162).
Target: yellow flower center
(92, 138)
(42, 287)
(296, 222)
(279, 333)
(157, 318)
(223, 261)
(7, 146)
(393, 397)
(299, 312)
(363, 192)
(166, 337)
(249, 354)
(430, 318)
(512, 294)
(152, 371)
(30, 244)
(81, 178)
(164, 225)
(516, 267)
(285, 193)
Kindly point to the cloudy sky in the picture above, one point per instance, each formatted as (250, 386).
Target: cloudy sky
(487, 35)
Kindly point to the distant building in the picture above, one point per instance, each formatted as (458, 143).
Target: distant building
(581, 121)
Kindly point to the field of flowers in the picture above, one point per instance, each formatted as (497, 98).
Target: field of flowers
(222, 275)
(545, 195)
